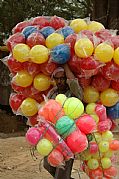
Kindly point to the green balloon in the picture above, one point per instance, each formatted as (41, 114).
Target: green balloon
(73, 107)
(65, 126)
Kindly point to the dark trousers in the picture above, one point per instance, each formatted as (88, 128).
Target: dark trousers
(59, 173)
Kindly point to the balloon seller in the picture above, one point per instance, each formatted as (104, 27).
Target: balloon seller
(67, 84)
(41, 50)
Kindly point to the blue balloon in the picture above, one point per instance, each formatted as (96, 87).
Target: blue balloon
(46, 31)
(66, 31)
(29, 30)
(60, 54)
(113, 112)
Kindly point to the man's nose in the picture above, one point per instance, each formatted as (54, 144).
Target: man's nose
(58, 80)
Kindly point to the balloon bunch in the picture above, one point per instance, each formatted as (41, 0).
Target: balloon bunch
(99, 159)
(62, 129)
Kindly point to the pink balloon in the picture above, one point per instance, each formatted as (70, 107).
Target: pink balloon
(93, 147)
(101, 112)
(33, 136)
(77, 141)
(104, 126)
(86, 124)
(115, 41)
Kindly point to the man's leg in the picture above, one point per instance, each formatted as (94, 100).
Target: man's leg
(48, 167)
(66, 172)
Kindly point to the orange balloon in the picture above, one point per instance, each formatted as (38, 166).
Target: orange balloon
(109, 97)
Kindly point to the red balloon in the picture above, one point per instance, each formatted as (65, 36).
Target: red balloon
(38, 97)
(15, 101)
(110, 71)
(111, 172)
(71, 40)
(20, 26)
(17, 88)
(114, 145)
(115, 41)
(55, 158)
(57, 22)
(13, 65)
(86, 124)
(40, 21)
(103, 35)
(100, 83)
(74, 64)
(29, 91)
(33, 120)
(115, 85)
(51, 111)
(84, 82)
(93, 147)
(89, 67)
(88, 34)
(48, 67)
(104, 126)
(35, 38)
(89, 63)
(98, 173)
(14, 40)
(32, 68)
(77, 141)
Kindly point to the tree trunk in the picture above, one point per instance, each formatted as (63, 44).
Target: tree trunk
(106, 12)
(113, 14)
(99, 11)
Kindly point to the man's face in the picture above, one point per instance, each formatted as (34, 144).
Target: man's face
(60, 80)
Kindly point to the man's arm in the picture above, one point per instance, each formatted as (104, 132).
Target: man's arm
(73, 83)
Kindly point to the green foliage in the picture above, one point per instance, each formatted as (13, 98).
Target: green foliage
(14, 11)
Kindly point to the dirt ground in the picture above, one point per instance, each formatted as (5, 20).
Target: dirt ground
(15, 158)
(16, 161)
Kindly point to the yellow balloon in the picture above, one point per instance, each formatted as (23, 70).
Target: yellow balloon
(93, 164)
(108, 154)
(109, 97)
(86, 155)
(41, 82)
(106, 163)
(107, 136)
(21, 52)
(97, 155)
(73, 107)
(91, 95)
(90, 108)
(23, 78)
(29, 107)
(97, 137)
(54, 40)
(95, 117)
(39, 54)
(44, 147)
(104, 52)
(61, 98)
(78, 24)
(116, 56)
(83, 48)
(95, 26)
